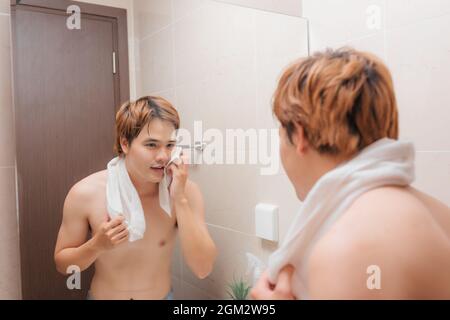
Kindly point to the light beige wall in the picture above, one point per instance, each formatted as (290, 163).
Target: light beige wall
(412, 40)
(289, 7)
(9, 235)
(219, 63)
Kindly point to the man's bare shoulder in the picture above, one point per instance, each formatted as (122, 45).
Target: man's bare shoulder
(383, 210)
(87, 190)
(386, 218)
(388, 227)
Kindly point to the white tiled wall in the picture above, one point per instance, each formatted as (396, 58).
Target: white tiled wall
(336, 22)
(419, 57)
(9, 236)
(288, 7)
(412, 39)
(219, 62)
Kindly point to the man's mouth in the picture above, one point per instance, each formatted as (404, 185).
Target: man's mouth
(159, 168)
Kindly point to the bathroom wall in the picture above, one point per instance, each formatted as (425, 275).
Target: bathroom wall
(289, 7)
(411, 37)
(218, 62)
(9, 234)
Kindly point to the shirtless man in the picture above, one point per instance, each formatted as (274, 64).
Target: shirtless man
(402, 230)
(139, 269)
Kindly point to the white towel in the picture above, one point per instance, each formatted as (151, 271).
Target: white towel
(385, 162)
(123, 199)
(164, 199)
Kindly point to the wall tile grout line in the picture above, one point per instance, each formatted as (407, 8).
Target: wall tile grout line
(231, 230)
(433, 151)
(262, 10)
(7, 167)
(410, 24)
(173, 22)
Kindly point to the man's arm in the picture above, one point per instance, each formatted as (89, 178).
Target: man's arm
(71, 246)
(198, 248)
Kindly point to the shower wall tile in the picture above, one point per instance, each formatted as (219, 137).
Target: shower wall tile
(286, 7)
(151, 16)
(182, 8)
(334, 22)
(410, 39)
(231, 261)
(156, 62)
(215, 40)
(223, 102)
(404, 12)
(374, 44)
(7, 189)
(229, 192)
(5, 31)
(418, 56)
(9, 237)
(433, 174)
(5, 6)
(10, 261)
(7, 143)
(279, 41)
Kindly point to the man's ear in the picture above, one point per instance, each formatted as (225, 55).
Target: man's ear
(299, 139)
(124, 145)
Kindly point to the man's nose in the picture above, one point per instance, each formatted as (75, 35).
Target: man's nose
(163, 156)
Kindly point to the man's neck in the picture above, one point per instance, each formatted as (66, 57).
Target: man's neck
(320, 165)
(144, 189)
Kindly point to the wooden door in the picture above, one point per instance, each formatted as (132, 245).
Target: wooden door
(67, 90)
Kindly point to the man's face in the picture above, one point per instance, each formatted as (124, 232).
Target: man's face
(150, 151)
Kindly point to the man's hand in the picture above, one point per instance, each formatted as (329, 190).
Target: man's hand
(179, 172)
(111, 234)
(282, 290)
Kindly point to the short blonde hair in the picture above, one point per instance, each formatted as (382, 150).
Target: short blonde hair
(344, 100)
(132, 117)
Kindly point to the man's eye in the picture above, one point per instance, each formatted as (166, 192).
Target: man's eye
(171, 145)
(152, 145)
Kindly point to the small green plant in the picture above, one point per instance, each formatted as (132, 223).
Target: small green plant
(238, 289)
